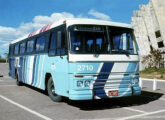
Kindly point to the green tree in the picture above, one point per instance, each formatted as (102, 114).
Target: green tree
(154, 59)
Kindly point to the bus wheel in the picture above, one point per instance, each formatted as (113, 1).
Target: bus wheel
(51, 91)
(17, 81)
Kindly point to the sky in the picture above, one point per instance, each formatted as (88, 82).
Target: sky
(19, 17)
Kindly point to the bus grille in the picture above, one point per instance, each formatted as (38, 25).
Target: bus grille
(112, 83)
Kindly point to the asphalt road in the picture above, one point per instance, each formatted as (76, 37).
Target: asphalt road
(28, 103)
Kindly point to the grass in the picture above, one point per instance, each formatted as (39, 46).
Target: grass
(152, 73)
(2, 60)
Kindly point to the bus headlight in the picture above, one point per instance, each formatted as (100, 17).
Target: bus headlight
(79, 83)
(87, 83)
(135, 81)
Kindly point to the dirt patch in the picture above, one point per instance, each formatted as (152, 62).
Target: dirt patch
(153, 75)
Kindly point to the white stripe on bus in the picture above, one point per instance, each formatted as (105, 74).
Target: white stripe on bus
(38, 71)
(42, 71)
(31, 69)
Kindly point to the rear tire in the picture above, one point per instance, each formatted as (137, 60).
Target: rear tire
(51, 91)
(17, 81)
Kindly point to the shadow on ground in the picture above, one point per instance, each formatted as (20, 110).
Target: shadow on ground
(89, 105)
(145, 98)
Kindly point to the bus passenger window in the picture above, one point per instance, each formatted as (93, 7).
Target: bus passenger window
(30, 46)
(61, 45)
(59, 37)
(57, 43)
(16, 49)
(52, 45)
(53, 40)
(22, 48)
(40, 44)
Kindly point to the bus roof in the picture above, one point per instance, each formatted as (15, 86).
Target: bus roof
(84, 21)
(73, 21)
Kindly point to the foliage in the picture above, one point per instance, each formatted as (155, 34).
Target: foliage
(152, 70)
(152, 73)
(153, 59)
(2, 60)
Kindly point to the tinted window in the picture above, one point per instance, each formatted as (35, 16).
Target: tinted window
(22, 48)
(40, 43)
(93, 39)
(121, 41)
(30, 46)
(61, 43)
(57, 42)
(16, 49)
(53, 40)
(10, 50)
(89, 42)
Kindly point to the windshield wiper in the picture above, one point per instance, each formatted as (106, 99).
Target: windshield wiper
(124, 52)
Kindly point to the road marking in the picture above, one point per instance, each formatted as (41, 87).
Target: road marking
(134, 110)
(162, 99)
(7, 85)
(25, 108)
(156, 117)
(7, 77)
(141, 115)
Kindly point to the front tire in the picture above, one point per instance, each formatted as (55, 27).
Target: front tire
(51, 91)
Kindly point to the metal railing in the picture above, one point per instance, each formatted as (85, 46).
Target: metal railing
(152, 80)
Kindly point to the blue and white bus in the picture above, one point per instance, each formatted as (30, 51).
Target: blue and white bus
(82, 59)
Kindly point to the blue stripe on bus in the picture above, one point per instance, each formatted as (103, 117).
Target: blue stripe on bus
(25, 69)
(23, 61)
(37, 70)
(33, 74)
(107, 67)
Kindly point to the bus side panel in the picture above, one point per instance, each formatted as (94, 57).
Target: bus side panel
(19, 68)
(12, 67)
(33, 68)
(58, 67)
(39, 74)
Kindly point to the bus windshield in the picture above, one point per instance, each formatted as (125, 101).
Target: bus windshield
(100, 40)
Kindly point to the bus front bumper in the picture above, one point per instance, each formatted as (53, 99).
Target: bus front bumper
(103, 93)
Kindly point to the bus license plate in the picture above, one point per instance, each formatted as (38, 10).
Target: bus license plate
(113, 93)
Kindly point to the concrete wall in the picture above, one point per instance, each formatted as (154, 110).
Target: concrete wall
(146, 21)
